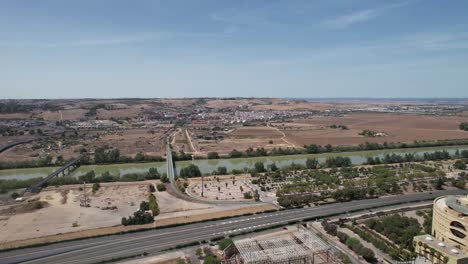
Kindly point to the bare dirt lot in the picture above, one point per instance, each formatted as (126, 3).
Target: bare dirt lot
(243, 138)
(62, 212)
(397, 127)
(230, 188)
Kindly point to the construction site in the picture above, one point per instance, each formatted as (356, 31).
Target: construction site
(300, 246)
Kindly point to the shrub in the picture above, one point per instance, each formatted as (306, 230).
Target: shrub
(223, 244)
(161, 187)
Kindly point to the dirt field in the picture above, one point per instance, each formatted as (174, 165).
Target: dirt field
(397, 127)
(242, 138)
(222, 188)
(180, 141)
(63, 214)
(129, 142)
(62, 218)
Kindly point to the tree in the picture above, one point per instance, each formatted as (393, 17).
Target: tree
(139, 156)
(273, 167)
(199, 252)
(161, 187)
(89, 177)
(144, 206)
(153, 204)
(14, 195)
(211, 260)
(153, 174)
(96, 187)
(221, 170)
(248, 195)
(311, 163)
(190, 171)
(164, 178)
(223, 244)
(259, 167)
(235, 154)
(459, 165)
(212, 155)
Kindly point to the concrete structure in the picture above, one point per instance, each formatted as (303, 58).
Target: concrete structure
(435, 251)
(450, 220)
(449, 242)
(301, 247)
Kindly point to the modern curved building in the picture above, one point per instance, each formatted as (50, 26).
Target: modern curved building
(450, 220)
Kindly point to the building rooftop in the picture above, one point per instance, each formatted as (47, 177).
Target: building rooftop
(450, 249)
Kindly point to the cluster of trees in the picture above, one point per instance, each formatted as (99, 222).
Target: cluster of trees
(102, 155)
(381, 244)
(460, 165)
(221, 170)
(89, 177)
(212, 155)
(138, 218)
(14, 107)
(181, 156)
(339, 127)
(190, 171)
(399, 229)
(463, 126)
(396, 158)
(291, 201)
(43, 162)
(338, 161)
(250, 152)
(355, 245)
(109, 156)
(368, 133)
(349, 194)
(93, 110)
(161, 187)
(141, 157)
(142, 216)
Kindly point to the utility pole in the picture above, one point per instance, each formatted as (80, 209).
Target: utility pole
(202, 183)
(84, 195)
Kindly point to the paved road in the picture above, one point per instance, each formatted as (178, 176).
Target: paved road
(104, 248)
(19, 142)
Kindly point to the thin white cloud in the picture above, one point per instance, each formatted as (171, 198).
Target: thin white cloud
(345, 21)
(105, 41)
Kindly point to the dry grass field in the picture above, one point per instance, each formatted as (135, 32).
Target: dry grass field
(242, 138)
(397, 127)
(129, 142)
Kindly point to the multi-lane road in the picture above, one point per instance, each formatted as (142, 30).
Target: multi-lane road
(94, 250)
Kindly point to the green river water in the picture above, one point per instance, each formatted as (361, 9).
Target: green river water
(207, 166)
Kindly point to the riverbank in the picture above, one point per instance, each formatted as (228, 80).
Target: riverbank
(208, 165)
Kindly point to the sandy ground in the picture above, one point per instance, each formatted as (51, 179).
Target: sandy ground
(168, 258)
(225, 189)
(59, 217)
(63, 218)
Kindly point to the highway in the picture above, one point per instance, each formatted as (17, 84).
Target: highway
(94, 250)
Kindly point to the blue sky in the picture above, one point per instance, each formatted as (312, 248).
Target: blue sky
(195, 48)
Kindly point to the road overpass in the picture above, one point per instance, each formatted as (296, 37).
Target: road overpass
(65, 170)
(94, 250)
